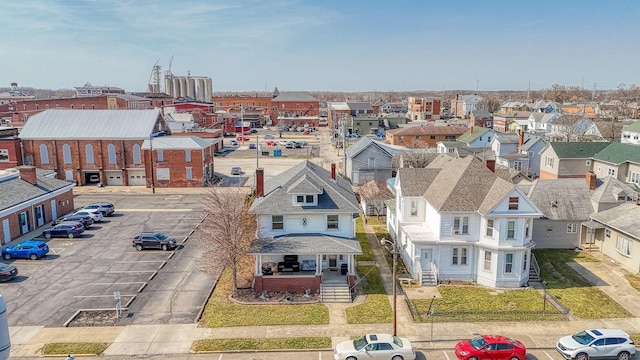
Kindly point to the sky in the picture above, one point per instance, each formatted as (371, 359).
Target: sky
(322, 45)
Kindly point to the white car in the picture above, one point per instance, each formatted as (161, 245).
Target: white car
(597, 343)
(375, 346)
(95, 214)
(283, 142)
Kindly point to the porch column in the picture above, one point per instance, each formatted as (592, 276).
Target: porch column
(258, 265)
(318, 264)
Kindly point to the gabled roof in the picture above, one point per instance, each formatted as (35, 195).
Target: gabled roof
(428, 130)
(617, 153)
(359, 105)
(59, 124)
(294, 96)
(365, 141)
(507, 138)
(338, 106)
(177, 143)
(610, 189)
(530, 140)
(465, 184)
(480, 113)
(577, 150)
(413, 181)
(562, 199)
(16, 191)
(335, 196)
(304, 185)
(623, 218)
(473, 134)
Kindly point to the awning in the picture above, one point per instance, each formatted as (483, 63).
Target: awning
(301, 244)
(592, 225)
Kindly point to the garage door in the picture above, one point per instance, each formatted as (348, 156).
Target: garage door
(137, 178)
(113, 177)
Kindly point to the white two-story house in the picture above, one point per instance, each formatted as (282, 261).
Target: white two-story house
(457, 220)
(305, 236)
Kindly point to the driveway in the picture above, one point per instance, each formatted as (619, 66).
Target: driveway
(83, 273)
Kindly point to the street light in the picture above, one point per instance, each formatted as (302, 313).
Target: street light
(395, 254)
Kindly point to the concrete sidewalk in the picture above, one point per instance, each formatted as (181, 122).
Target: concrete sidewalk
(136, 340)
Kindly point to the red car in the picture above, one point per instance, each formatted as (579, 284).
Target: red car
(242, 138)
(271, 143)
(491, 347)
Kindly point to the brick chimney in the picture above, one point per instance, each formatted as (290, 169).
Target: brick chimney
(520, 140)
(28, 174)
(259, 182)
(333, 171)
(490, 164)
(591, 180)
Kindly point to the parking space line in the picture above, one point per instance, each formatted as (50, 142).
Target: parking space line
(546, 353)
(129, 271)
(139, 261)
(101, 296)
(445, 354)
(142, 284)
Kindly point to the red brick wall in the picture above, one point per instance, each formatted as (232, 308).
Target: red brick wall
(15, 155)
(286, 283)
(175, 161)
(64, 205)
(32, 107)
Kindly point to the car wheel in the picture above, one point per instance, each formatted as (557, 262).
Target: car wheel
(582, 356)
(472, 358)
(164, 247)
(70, 235)
(47, 235)
(514, 358)
(33, 257)
(350, 358)
(397, 357)
(7, 256)
(624, 356)
(138, 247)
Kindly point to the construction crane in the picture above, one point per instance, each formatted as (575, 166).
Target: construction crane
(154, 87)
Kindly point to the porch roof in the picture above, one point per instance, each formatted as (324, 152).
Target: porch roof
(592, 224)
(305, 244)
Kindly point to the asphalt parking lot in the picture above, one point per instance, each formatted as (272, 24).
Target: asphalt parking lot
(83, 273)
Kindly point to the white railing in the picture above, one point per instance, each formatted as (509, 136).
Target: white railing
(535, 265)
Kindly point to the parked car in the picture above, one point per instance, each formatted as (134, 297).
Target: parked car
(154, 240)
(106, 208)
(597, 343)
(234, 143)
(7, 272)
(268, 136)
(253, 131)
(375, 346)
(297, 144)
(242, 138)
(94, 178)
(30, 249)
(289, 145)
(236, 170)
(271, 143)
(95, 214)
(69, 229)
(85, 220)
(283, 142)
(491, 347)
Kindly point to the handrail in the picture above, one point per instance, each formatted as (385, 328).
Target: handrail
(535, 265)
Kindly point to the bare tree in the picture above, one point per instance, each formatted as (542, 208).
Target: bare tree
(227, 231)
(413, 158)
(374, 194)
(489, 102)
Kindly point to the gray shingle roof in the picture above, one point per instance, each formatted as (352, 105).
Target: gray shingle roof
(366, 141)
(610, 189)
(305, 244)
(304, 185)
(562, 199)
(413, 181)
(177, 142)
(623, 218)
(90, 124)
(15, 191)
(336, 196)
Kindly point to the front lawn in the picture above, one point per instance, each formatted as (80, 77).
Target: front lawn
(571, 289)
(376, 308)
(297, 343)
(222, 312)
(79, 348)
(361, 234)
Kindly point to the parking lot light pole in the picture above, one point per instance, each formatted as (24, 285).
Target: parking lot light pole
(395, 253)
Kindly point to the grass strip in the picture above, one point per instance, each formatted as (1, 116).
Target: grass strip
(367, 253)
(236, 344)
(376, 308)
(77, 348)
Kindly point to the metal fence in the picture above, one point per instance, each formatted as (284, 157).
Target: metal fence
(552, 310)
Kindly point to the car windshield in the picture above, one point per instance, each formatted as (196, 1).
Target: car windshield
(478, 343)
(161, 236)
(4, 267)
(360, 342)
(397, 341)
(583, 338)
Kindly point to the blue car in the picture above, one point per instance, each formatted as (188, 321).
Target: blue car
(30, 249)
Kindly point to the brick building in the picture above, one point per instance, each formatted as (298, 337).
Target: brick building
(424, 108)
(82, 144)
(178, 161)
(10, 153)
(418, 135)
(294, 108)
(29, 199)
(23, 110)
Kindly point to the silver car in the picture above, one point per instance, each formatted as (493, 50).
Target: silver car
(597, 343)
(375, 346)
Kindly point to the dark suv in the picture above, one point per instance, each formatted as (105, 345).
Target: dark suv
(154, 240)
(105, 208)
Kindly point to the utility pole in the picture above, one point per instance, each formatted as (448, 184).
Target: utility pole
(344, 149)
(153, 183)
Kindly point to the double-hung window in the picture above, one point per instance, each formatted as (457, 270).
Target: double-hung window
(511, 229)
(508, 263)
(487, 261)
(461, 225)
(277, 222)
(332, 222)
